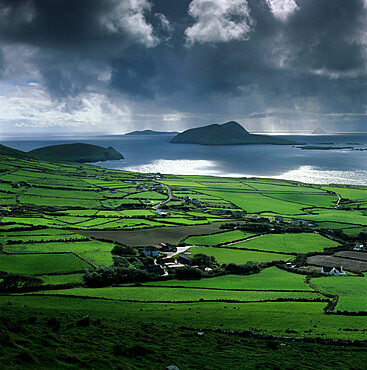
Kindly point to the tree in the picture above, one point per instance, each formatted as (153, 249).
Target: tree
(120, 261)
(245, 269)
(13, 282)
(201, 259)
(188, 272)
(123, 250)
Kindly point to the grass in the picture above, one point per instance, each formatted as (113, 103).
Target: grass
(168, 234)
(76, 247)
(62, 197)
(263, 317)
(268, 279)
(256, 202)
(337, 215)
(288, 243)
(29, 264)
(37, 345)
(62, 279)
(168, 294)
(218, 238)
(225, 255)
(352, 291)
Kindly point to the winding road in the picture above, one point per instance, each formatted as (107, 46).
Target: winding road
(165, 201)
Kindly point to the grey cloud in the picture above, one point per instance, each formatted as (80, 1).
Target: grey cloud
(219, 21)
(308, 57)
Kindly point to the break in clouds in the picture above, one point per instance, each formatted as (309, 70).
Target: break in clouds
(109, 66)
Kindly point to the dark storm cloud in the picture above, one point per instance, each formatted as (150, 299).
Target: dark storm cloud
(328, 34)
(73, 38)
(311, 58)
(57, 24)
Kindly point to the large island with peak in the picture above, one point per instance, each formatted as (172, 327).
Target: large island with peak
(230, 133)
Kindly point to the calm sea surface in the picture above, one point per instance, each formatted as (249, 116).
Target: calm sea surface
(156, 154)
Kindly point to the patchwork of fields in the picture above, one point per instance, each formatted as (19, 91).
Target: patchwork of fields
(59, 220)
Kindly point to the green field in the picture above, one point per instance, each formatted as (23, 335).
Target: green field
(168, 294)
(41, 263)
(352, 291)
(112, 350)
(226, 255)
(62, 279)
(60, 207)
(263, 317)
(219, 238)
(288, 243)
(268, 279)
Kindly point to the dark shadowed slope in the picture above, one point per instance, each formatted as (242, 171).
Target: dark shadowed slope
(5, 150)
(230, 133)
(78, 152)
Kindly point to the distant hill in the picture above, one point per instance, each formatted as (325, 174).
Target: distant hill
(152, 132)
(5, 150)
(319, 131)
(230, 133)
(78, 152)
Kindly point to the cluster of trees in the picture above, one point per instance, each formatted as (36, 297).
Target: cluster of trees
(202, 260)
(105, 276)
(126, 256)
(13, 282)
(243, 269)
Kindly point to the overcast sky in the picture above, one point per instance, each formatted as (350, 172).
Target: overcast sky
(112, 66)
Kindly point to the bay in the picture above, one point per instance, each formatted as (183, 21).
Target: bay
(154, 153)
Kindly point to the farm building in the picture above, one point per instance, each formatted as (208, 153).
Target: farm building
(151, 251)
(165, 260)
(358, 247)
(184, 260)
(332, 270)
(166, 247)
(161, 213)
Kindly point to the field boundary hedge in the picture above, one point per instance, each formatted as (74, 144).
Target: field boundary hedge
(201, 300)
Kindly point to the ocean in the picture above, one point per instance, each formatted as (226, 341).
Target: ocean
(154, 153)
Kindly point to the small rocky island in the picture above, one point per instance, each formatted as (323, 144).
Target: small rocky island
(319, 131)
(230, 133)
(78, 152)
(152, 132)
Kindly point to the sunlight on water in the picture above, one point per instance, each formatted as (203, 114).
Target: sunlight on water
(315, 175)
(307, 174)
(179, 167)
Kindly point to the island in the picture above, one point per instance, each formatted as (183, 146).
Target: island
(319, 131)
(317, 147)
(78, 152)
(152, 132)
(229, 133)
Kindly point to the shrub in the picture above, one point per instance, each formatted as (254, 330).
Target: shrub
(14, 282)
(201, 259)
(120, 261)
(188, 272)
(104, 276)
(247, 268)
(123, 250)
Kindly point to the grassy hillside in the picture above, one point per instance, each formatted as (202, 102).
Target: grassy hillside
(78, 152)
(230, 133)
(59, 218)
(6, 151)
